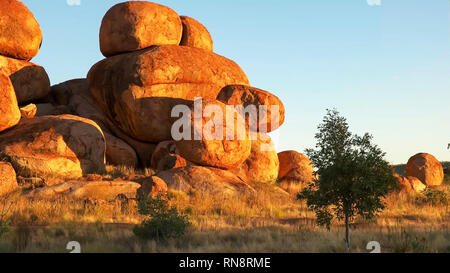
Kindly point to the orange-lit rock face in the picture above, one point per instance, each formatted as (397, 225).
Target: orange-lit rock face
(411, 184)
(165, 157)
(204, 179)
(119, 153)
(295, 166)
(416, 184)
(8, 181)
(76, 96)
(152, 186)
(404, 183)
(139, 90)
(195, 34)
(63, 146)
(135, 25)
(214, 139)
(98, 190)
(28, 111)
(264, 121)
(30, 81)
(20, 34)
(9, 109)
(426, 168)
(262, 165)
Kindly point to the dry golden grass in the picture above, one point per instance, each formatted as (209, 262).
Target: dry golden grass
(269, 221)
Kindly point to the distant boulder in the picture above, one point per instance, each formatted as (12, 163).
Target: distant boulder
(295, 166)
(426, 168)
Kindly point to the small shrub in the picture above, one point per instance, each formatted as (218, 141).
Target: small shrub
(4, 227)
(5, 208)
(435, 197)
(163, 221)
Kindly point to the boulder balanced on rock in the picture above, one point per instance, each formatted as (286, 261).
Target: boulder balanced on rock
(135, 25)
(266, 110)
(20, 34)
(20, 40)
(195, 34)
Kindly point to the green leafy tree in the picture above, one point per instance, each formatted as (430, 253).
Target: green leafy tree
(352, 175)
(163, 221)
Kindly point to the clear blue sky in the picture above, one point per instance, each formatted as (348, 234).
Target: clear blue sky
(386, 68)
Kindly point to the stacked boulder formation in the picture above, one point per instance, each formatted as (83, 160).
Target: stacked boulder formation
(122, 113)
(157, 60)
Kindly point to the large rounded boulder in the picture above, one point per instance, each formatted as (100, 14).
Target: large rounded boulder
(262, 165)
(20, 34)
(195, 34)
(210, 137)
(426, 168)
(296, 167)
(8, 180)
(266, 112)
(134, 25)
(60, 146)
(30, 81)
(139, 90)
(9, 109)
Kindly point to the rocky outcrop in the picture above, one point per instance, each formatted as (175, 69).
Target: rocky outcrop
(62, 146)
(139, 90)
(135, 25)
(426, 168)
(9, 110)
(20, 34)
(8, 180)
(195, 34)
(266, 110)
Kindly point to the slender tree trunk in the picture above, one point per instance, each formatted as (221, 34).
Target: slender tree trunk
(347, 239)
